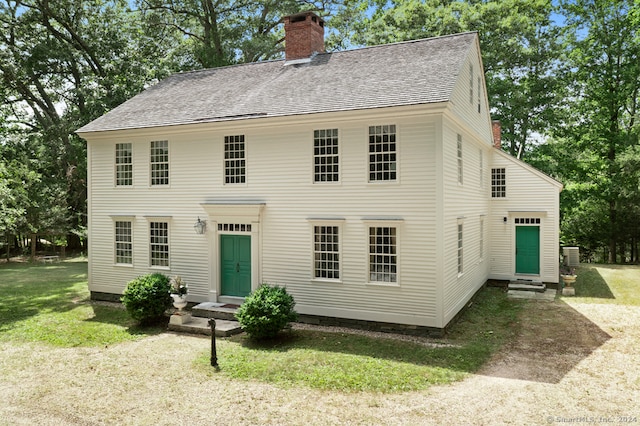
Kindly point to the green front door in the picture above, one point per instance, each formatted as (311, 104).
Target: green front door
(527, 249)
(235, 262)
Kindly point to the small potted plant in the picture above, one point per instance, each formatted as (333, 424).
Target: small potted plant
(179, 292)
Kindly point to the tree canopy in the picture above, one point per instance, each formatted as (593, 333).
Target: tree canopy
(562, 76)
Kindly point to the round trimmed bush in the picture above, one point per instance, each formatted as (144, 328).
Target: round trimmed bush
(266, 312)
(147, 297)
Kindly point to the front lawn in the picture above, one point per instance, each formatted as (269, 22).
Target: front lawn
(49, 304)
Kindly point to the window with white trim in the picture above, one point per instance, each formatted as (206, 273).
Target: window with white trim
(234, 159)
(481, 168)
(123, 242)
(498, 183)
(159, 163)
(383, 257)
(159, 243)
(481, 248)
(479, 89)
(325, 155)
(326, 252)
(382, 153)
(460, 248)
(527, 221)
(471, 84)
(460, 165)
(124, 164)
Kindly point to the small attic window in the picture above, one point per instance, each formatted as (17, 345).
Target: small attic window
(299, 18)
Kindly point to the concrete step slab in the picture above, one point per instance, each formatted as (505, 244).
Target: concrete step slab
(216, 310)
(528, 287)
(199, 325)
(549, 295)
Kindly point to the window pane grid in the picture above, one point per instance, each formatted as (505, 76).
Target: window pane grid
(234, 159)
(460, 249)
(159, 162)
(325, 155)
(159, 243)
(382, 255)
(498, 183)
(382, 153)
(459, 158)
(124, 165)
(123, 242)
(326, 252)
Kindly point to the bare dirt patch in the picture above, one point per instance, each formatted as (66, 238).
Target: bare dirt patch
(569, 361)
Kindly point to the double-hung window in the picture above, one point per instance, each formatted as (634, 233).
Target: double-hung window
(498, 183)
(123, 242)
(383, 254)
(235, 162)
(460, 164)
(460, 248)
(159, 163)
(326, 252)
(382, 153)
(124, 164)
(325, 155)
(159, 243)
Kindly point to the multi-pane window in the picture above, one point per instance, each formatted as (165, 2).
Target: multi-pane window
(382, 153)
(479, 88)
(460, 249)
(123, 242)
(471, 84)
(498, 183)
(160, 163)
(383, 258)
(159, 243)
(460, 159)
(326, 252)
(481, 238)
(325, 155)
(527, 221)
(124, 165)
(481, 169)
(235, 161)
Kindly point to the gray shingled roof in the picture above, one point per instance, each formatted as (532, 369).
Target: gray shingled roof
(407, 73)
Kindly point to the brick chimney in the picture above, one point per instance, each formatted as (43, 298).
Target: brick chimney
(304, 35)
(496, 127)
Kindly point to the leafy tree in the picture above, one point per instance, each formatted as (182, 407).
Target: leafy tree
(603, 73)
(520, 48)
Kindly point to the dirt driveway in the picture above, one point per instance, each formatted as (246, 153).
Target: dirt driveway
(584, 369)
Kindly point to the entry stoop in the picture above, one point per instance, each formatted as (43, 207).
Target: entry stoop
(226, 325)
(523, 289)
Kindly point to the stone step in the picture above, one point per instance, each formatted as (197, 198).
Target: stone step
(549, 295)
(198, 325)
(527, 286)
(216, 310)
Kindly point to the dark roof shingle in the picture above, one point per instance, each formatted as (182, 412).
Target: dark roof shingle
(407, 73)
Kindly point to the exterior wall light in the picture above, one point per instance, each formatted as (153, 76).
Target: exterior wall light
(504, 219)
(200, 226)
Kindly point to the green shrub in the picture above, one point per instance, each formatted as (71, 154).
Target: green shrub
(146, 298)
(266, 312)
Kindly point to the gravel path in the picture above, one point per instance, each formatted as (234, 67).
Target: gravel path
(577, 363)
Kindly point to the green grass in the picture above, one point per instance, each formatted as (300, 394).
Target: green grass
(49, 304)
(616, 284)
(351, 363)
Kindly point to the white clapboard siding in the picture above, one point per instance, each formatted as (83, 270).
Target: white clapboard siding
(279, 173)
(530, 193)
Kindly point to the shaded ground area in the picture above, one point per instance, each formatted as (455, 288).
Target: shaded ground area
(570, 360)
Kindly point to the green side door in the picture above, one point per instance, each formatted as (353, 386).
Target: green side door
(527, 249)
(235, 262)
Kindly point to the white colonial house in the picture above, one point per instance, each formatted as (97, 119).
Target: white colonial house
(365, 181)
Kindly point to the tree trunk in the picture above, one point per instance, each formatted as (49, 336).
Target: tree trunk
(33, 247)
